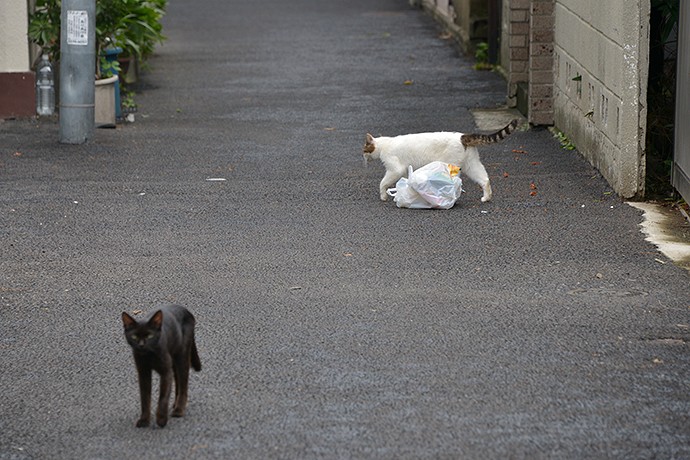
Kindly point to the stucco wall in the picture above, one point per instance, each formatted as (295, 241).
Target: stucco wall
(14, 47)
(17, 93)
(601, 52)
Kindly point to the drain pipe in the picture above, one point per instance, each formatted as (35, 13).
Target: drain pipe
(77, 70)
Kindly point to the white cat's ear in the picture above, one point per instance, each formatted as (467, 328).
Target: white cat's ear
(370, 139)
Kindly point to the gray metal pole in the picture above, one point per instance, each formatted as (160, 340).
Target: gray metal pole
(77, 70)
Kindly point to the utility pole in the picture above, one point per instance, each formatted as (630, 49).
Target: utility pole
(77, 70)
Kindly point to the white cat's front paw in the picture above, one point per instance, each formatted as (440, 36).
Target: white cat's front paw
(384, 197)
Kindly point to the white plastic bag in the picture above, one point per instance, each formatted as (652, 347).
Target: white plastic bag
(405, 196)
(431, 186)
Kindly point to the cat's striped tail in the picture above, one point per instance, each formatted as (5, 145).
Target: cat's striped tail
(473, 140)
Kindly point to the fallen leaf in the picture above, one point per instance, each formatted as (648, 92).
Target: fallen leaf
(535, 163)
(18, 154)
(533, 193)
(505, 174)
(137, 312)
(524, 152)
(657, 361)
(532, 186)
(408, 82)
(347, 254)
(329, 129)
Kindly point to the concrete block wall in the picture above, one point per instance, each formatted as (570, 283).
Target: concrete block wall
(527, 57)
(601, 54)
(515, 51)
(541, 77)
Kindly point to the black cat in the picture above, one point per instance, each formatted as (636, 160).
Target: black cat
(163, 342)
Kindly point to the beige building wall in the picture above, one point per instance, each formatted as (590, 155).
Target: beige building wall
(14, 47)
(601, 60)
(17, 93)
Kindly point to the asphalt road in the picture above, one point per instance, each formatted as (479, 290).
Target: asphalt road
(329, 324)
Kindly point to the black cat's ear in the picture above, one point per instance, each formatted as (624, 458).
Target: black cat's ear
(156, 320)
(127, 320)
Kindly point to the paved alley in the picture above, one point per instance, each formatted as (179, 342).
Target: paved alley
(329, 324)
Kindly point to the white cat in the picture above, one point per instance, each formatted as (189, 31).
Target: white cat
(417, 150)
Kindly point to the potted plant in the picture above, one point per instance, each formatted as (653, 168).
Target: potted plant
(126, 30)
(107, 92)
(132, 25)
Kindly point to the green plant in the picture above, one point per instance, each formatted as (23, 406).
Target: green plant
(133, 25)
(107, 68)
(44, 27)
(669, 10)
(127, 100)
(481, 57)
(661, 96)
(563, 139)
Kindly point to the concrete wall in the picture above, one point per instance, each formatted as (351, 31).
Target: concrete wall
(465, 19)
(443, 10)
(601, 54)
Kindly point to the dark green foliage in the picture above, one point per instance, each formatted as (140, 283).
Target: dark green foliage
(661, 94)
(133, 25)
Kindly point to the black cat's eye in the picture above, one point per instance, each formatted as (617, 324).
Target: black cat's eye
(145, 336)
